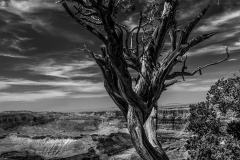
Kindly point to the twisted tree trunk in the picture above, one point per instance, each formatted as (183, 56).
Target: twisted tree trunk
(138, 103)
(151, 130)
(146, 146)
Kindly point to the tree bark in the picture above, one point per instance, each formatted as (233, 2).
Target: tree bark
(151, 130)
(140, 140)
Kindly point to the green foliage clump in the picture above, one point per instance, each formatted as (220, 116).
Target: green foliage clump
(215, 124)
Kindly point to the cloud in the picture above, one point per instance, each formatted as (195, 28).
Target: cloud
(213, 49)
(28, 11)
(64, 70)
(230, 34)
(237, 43)
(71, 86)
(29, 6)
(191, 79)
(233, 59)
(15, 43)
(214, 22)
(189, 12)
(209, 81)
(31, 96)
(89, 95)
(63, 88)
(12, 55)
(199, 89)
(25, 14)
(180, 86)
(187, 87)
(3, 86)
(130, 22)
(73, 37)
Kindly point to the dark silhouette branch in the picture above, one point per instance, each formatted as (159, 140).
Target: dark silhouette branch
(195, 41)
(199, 69)
(173, 37)
(188, 28)
(88, 27)
(184, 67)
(139, 27)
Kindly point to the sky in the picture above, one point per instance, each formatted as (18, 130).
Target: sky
(42, 70)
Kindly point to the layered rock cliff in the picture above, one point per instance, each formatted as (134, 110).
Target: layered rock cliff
(86, 135)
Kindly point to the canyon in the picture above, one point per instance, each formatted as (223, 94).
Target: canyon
(84, 135)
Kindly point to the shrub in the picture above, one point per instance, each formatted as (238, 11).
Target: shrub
(215, 123)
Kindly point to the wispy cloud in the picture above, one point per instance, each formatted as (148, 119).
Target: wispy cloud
(188, 87)
(3, 86)
(130, 23)
(31, 96)
(29, 6)
(213, 23)
(233, 59)
(64, 88)
(132, 20)
(15, 43)
(12, 55)
(63, 70)
(67, 85)
(209, 81)
(25, 10)
(213, 49)
(190, 12)
(199, 89)
(28, 10)
(237, 43)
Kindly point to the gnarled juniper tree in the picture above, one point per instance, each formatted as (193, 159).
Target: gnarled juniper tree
(138, 49)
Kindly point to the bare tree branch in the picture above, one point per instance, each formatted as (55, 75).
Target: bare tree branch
(184, 67)
(98, 58)
(188, 28)
(88, 27)
(139, 26)
(173, 37)
(195, 41)
(199, 69)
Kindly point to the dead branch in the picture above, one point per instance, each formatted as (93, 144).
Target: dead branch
(188, 28)
(195, 41)
(199, 69)
(184, 67)
(139, 26)
(88, 27)
(98, 58)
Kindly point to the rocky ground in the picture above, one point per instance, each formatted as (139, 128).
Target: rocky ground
(94, 135)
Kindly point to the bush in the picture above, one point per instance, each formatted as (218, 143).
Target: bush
(215, 123)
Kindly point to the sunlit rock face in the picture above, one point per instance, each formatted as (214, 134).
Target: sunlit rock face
(9, 120)
(60, 136)
(175, 119)
(85, 146)
(21, 155)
